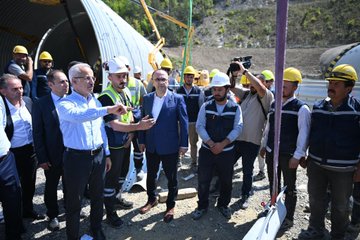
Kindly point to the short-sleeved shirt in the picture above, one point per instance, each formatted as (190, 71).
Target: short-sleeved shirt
(253, 116)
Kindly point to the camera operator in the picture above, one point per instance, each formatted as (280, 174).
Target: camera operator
(255, 107)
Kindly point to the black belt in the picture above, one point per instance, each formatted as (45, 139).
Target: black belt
(85, 152)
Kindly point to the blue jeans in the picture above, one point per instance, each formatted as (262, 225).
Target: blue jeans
(340, 185)
(248, 151)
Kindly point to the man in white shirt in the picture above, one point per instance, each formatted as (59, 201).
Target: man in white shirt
(10, 190)
(19, 131)
(294, 135)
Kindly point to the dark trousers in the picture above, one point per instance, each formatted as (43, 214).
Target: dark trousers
(53, 175)
(125, 163)
(224, 164)
(26, 165)
(289, 181)
(355, 215)
(340, 185)
(248, 152)
(10, 196)
(169, 164)
(112, 178)
(79, 170)
(138, 155)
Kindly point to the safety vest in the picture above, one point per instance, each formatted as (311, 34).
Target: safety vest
(219, 125)
(191, 101)
(335, 135)
(289, 126)
(118, 139)
(134, 87)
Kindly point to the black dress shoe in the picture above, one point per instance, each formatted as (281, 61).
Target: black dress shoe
(34, 215)
(98, 235)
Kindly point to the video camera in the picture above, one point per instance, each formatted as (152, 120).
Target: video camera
(246, 62)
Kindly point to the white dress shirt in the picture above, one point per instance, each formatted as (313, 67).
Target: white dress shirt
(4, 141)
(22, 125)
(158, 102)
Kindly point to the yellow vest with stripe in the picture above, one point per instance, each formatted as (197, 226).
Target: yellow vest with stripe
(116, 98)
(134, 87)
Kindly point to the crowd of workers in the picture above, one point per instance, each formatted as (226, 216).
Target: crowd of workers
(85, 140)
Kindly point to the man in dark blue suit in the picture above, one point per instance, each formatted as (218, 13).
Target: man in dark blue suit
(164, 141)
(49, 146)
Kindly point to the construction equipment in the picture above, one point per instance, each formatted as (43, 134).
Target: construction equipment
(161, 40)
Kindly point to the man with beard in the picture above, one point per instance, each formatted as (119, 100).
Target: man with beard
(86, 155)
(219, 124)
(194, 98)
(21, 66)
(165, 141)
(254, 108)
(39, 84)
(117, 128)
(294, 134)
(334, 150)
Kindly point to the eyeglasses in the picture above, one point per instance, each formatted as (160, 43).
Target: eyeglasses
(160, 79)
(46, 61)
(88, 78)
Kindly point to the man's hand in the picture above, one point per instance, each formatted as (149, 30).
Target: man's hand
(303, 162)
(262, 152)
(142, 147)
(129, 140)
(217, 148)
(293, 163)
(108, 164)
(117, 109)
(242, 68)
(146, 123)
(182, 151)
(45, 166)
(29, 61)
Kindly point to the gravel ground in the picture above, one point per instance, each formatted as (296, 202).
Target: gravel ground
(151, 226)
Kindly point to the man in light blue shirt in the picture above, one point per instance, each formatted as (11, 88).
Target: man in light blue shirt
(219, 123)
(86, 146)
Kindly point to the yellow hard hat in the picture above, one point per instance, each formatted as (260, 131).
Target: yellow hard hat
(292, 74)
(190, 70)
(268, 75)
(20, 49)
(343, 72)
(244, 80)
(45, 56)
(166, 63)
(204, 78)
(214, 72)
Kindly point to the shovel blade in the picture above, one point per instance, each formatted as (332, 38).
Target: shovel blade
(266, 228)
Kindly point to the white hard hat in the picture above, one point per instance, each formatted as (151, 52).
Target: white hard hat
(124, 60)
(137, 69)
(116, 65)
(220, 80)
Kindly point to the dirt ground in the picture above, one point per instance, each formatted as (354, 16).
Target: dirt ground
(151, 226)
(305, 59)
(213, 225)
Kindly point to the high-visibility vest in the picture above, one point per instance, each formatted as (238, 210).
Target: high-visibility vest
(116, 98)
(134, 86)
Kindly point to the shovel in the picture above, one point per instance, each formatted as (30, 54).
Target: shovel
(266, 228)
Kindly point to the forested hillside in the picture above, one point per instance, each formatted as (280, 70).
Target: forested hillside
(248, 23)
